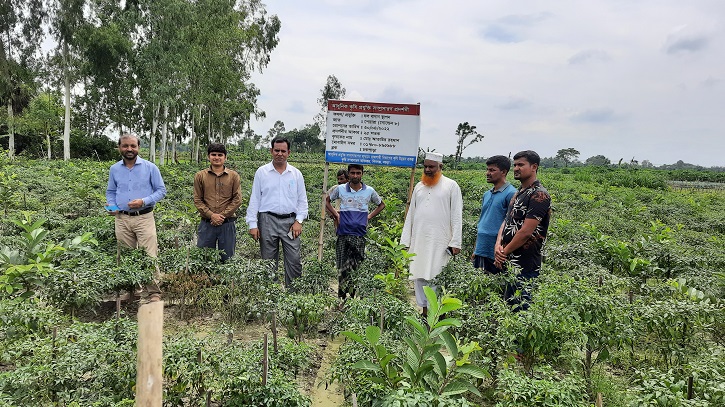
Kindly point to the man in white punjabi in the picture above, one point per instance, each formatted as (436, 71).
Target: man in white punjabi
(433, 226)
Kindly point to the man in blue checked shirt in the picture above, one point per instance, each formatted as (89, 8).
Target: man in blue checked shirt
(134, 187)
(352, 220)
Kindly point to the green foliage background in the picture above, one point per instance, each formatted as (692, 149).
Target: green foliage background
(630, 303)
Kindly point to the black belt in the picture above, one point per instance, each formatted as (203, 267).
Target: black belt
(137, 213)
(284, 216)
(226, 220)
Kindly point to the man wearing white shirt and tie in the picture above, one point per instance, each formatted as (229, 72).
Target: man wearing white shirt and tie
(277, 208)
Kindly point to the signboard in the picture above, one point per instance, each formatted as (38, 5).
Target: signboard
(372, 133)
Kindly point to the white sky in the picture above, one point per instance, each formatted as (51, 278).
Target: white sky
(642, 79)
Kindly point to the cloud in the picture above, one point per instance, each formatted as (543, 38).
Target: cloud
(395, 94)
(585, 56)
(514, 104)
(683, 40)
(597, 116)
(508, 29)
(501, 34)
(524, 19)
(687, 45)
(710, 82)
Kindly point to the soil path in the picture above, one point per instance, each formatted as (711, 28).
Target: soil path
(322, 394)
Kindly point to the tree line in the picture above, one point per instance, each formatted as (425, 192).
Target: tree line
(169, 69)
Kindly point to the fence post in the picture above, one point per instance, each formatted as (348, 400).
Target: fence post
(600, 402)
(149, 380)
(689, 388)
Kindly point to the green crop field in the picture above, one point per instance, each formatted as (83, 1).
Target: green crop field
(630, 303)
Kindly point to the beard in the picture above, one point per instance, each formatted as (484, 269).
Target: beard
(130, 155)
(430, 181)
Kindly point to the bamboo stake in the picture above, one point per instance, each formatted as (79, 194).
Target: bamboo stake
(411, 184)
(321, 240)
(274, 332)
(382, 317)
(149, 379)
(265, 361)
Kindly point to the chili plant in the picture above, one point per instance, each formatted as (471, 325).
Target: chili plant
(435, 361)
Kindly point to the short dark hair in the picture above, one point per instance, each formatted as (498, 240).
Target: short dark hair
(216, 148)
(343, 171)
(529, 155)
(129, 135)
(356, 166)
(280, 140)
(502, 162)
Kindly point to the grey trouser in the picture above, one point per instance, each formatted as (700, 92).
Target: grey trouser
(272, 231)
(223, 236)
(420, 297)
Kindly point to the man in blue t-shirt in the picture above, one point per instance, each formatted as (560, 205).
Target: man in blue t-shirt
(352, 220)
(493, 211)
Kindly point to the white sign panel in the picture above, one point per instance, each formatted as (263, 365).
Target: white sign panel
(372, 133)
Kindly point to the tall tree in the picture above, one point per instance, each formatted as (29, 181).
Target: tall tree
(464, 132)
(21, 33)
(332, 90)
(276, 130)
(197, 57)
(598, 160)
(105, 45)
(306, 140)
(67, 19)
(44, 116)
(567, 155)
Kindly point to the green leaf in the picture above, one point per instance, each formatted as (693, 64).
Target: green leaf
(430, 350)
(430, 295)
(448, 322)
(458, 386)
(450, 306)
(421, 330)
(441, 365)
(386, 359)
(372, 333)
(411, 355)
(473, 370)
(355, 337)
(450, 342)
(366, 365)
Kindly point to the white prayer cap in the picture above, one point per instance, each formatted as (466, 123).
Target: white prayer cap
(437, 157)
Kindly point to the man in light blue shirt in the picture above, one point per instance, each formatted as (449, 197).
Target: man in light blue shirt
(493, 211)
(134, 187)
(277, 208)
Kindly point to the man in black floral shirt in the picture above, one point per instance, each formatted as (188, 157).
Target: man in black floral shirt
(523, 232)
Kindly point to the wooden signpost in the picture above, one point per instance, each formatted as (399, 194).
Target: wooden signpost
(370, 133)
